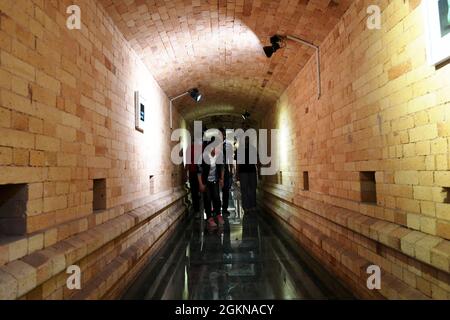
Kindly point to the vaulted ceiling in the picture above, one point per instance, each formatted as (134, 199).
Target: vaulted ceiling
(216, 45)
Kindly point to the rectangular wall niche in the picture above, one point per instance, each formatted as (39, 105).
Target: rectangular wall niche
(99, 199)
(13, 208)
(446, 191)
(306, 180)
(368, 187)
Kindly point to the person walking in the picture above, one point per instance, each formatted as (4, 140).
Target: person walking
(191, 171)
(227, 152)
(211, 179)
(246, 171)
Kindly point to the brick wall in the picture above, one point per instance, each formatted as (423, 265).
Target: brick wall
(383, 110)
(67, 118)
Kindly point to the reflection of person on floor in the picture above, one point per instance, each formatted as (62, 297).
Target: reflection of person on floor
(228, 172)
(246, 171)
(191, 171)
(214, 282)
(208, 281)
(249, 227)
(210, 178)
(250, 240)
(226, 239)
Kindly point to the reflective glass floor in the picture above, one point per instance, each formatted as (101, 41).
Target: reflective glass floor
(250, 258)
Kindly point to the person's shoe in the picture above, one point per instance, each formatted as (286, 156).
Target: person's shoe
(220, 220)
(211, 223)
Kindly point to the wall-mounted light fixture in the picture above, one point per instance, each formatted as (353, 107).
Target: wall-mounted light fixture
(195, 95)
(278, 42)
(246, 115)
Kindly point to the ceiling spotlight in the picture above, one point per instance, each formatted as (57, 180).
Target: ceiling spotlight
(276, 44)
(269, 51)
(195, 94)
(245, 115)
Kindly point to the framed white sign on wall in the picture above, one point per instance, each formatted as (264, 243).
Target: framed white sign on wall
(437, 18)
(140, 106)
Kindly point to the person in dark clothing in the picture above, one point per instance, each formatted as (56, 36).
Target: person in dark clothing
(228, 172)
(210, 178)
(191, 170)
(247, 174)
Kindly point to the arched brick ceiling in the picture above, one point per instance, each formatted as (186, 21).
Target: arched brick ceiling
(228, 121)
(216, 45)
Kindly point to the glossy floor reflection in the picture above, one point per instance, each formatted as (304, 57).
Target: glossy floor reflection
(249, 259)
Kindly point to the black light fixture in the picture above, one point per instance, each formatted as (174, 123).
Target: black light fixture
(276, 44)
(279, 42)
(195, 94)
(245, 115)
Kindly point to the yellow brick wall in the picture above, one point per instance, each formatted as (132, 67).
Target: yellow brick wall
(383, 109)
(66, 118)
(67, 112)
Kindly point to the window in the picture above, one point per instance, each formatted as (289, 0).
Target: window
(368, 187)
(99, 200)
(306, 180)
(13, 206)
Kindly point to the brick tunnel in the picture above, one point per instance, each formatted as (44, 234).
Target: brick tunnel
(102, 102)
